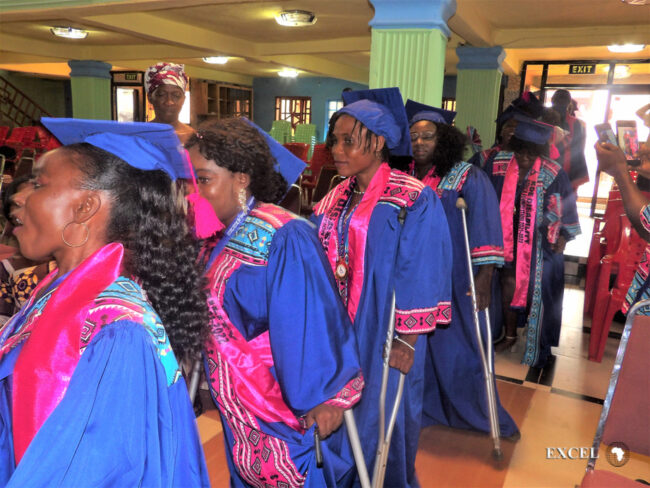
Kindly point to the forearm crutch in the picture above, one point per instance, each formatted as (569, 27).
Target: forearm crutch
(194, 379)
(383, 446)
(353, 436)
(488, 372)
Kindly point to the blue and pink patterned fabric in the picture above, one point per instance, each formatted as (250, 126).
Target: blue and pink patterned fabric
(114, 409)
(414, 260)
(280, 345)
(454, 392)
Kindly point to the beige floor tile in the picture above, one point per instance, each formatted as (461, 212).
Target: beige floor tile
(551, 421)
(584, 377)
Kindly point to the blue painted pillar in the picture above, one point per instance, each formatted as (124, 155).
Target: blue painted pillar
(409, 40)
(90, 84)
(477, 89)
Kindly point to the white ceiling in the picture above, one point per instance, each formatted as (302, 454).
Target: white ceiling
(134, 34)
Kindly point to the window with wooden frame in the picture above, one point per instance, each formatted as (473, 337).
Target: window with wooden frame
(296, 110)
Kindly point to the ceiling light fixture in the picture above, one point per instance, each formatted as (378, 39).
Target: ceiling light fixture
(626, 48)
(69, 32)
(635, 2)
(295, 18)
(288, 73)
(215, 59)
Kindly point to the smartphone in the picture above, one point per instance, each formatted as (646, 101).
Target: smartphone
(605, 133)
(628, 140)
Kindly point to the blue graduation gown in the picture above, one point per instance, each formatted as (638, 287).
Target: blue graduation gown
(454, 393)
(414, 259)
(281, 286)
(125, 419)
(556, 203)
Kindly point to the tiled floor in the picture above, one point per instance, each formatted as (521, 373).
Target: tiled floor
(556, 407)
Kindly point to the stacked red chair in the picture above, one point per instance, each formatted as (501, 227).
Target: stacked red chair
(320, 158)
(299, 149)
(622, 263)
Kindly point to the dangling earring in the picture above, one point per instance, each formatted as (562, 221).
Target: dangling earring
(85, 238)
(242, 200)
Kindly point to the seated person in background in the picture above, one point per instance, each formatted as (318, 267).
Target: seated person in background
(165, 84)
(612, 160)
(18, 275)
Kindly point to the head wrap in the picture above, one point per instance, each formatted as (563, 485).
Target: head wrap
(417, 111)
(165, 74)
(382, 112)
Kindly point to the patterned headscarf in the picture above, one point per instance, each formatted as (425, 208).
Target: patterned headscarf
(165, 74)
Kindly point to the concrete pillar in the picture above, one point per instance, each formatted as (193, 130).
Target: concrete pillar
(477, 89)
(90, 83)
(409, 39)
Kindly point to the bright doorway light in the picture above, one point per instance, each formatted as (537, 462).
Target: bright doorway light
(626, 48)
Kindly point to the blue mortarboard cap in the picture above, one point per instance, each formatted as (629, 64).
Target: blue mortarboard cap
(143, 145)
(532, 130)
(289, 165)
(509, 113)
(416, 111)
(382, 111)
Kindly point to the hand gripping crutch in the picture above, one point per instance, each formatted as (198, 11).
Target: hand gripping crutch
(194, 379)
(488, 372)
(383, 445)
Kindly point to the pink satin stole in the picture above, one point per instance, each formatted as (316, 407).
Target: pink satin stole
(526, 232)
(51, 353)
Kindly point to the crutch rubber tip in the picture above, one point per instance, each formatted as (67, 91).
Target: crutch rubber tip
(461, 204)
(497, 454)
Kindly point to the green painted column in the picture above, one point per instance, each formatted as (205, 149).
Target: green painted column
(90, 83)
(409, 40)
(477, 89)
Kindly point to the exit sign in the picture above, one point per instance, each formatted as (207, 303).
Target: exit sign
(582, 69)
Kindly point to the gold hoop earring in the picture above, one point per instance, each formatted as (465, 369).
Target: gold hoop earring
(242, 200)
(65, 241)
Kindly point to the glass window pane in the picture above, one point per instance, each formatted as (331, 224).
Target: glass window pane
(632, 74)
(533, 81)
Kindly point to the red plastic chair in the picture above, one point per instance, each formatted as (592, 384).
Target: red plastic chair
(625, 416)
(4, 132)
(321, 157)
(623, 263)
(604, 241)
(299, 149)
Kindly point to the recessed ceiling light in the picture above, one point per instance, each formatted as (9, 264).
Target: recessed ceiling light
(295, 18)
(288, 73)
(635, 2)
(626, 48)
(216, 59)
(69, 32)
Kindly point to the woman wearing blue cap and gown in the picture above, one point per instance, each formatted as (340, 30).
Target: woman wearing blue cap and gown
(454, 392)
(281, 357)
(538, 217)
(91, 390)
(384, 231)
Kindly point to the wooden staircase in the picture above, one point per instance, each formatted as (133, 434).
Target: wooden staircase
(17, 108)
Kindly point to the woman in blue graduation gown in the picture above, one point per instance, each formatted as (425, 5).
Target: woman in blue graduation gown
(90, 390)
(454, 392)
(384, 231)
(538, 217)
(281, 357)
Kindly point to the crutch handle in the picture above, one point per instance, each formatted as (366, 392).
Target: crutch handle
(461, 204)
(317, 447)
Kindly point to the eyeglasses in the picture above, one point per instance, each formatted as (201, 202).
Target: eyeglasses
(425, 136)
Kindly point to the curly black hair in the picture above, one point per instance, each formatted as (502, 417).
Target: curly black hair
(450, 148)
(148, 217)
(237, 146)
(534, 150)
(356, 129)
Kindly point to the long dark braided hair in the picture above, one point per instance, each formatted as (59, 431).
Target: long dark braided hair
(237, 146)
(450, 148)
(148, 217)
